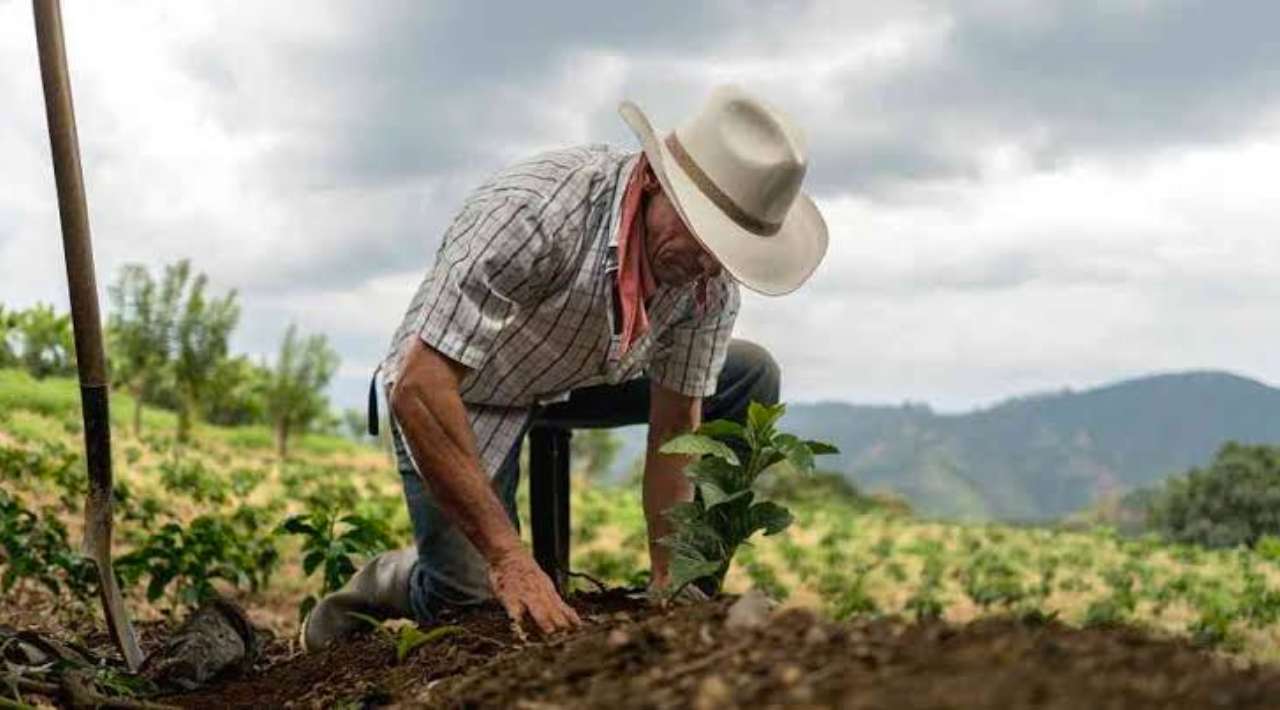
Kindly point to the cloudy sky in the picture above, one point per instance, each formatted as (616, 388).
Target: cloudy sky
(1022, 195)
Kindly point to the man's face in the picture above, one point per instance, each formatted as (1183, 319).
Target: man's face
(677, 258)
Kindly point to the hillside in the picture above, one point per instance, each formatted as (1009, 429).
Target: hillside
(843, 559)
(1042, 456)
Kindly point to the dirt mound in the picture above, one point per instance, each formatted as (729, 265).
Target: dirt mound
(631, 657)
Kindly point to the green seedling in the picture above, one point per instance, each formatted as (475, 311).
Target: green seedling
(724, 514)
(332, 543)
(408, 637)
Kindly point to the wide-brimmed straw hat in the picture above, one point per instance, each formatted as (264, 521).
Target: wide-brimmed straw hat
(733, 172)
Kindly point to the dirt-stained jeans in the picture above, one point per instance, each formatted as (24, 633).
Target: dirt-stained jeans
(450, 571)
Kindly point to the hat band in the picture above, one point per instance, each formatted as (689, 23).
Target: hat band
(726, 204)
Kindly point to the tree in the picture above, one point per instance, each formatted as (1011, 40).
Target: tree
(1235, 501)
(140, 331)
(236, 394)
(295, 393)
(8, 334)
(202, 332)
(48, 345)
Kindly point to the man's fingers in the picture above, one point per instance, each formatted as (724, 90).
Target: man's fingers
(515, 609)
(570, 613)
(543, 619)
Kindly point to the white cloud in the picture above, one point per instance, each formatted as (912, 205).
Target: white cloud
(1008, 211)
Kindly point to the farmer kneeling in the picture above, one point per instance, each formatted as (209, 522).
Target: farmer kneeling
(582, 288)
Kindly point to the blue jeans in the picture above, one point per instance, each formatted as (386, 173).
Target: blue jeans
(450, 571)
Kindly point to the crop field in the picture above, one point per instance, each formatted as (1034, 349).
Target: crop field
(221, 515)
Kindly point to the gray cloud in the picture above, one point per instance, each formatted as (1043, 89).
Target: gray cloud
(360, 127)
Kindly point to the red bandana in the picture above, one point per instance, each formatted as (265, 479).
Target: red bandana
(635, 278)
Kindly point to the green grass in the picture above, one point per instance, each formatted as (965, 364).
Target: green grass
(52, 397)
(32, 408)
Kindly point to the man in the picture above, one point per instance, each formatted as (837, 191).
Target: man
(589, 288)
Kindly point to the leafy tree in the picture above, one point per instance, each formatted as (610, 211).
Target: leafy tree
(141, 331)
(295, 393)
(236, 393)
(8, 333)
(202, 332)
(1235, 501)
(48, 345)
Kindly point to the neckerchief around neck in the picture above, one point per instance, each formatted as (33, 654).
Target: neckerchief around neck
(636, 282)
(635, 277)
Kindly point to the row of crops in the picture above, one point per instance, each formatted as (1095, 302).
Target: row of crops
(222, 515)
(879, 563)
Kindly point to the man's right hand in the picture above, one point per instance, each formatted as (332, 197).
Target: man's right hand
(521, 585)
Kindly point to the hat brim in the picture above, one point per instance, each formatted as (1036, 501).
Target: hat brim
(774, 265)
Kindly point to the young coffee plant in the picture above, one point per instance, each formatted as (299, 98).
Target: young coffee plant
(34, 547)
(724, 513)
(233, 548)
(331, 542)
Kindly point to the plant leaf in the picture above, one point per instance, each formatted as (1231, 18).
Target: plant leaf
(371, 621)
(770, 516)
(821, 448)
(761, 418)
(697, 445)
(412, 637)
(305, 608)
(722, 429)
(712, 494)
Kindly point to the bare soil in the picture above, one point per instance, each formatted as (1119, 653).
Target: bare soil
(634, 656)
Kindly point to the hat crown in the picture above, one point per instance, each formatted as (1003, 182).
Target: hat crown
(751, 152)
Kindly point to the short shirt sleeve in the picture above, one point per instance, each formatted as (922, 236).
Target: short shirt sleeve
(494, 257)
(690, 354)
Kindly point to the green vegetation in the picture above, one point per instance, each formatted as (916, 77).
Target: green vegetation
(168, 347)
(724, 513)
(1043, 457)
(294, 391)
(210, 516)
(333, 543)
(1235, 501)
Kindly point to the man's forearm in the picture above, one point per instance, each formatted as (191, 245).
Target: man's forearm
(436, 430)
(664, 485)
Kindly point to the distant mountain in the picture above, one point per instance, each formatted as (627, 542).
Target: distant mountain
(1041, 456)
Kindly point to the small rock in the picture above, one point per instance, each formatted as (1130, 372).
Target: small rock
(713, 693)
(816, 636)
(750, 611)
(704, 633)
(617, 639)
(790, 675)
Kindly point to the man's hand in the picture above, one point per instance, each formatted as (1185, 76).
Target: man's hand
(521, 585)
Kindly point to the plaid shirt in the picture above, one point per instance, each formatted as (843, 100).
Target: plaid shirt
(522, 294)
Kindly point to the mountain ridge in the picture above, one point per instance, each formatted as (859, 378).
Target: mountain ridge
(1045, 454)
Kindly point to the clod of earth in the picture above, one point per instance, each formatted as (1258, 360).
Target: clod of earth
(215, 639)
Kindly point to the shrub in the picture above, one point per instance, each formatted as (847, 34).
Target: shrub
(1235, 501)
(238, 548)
